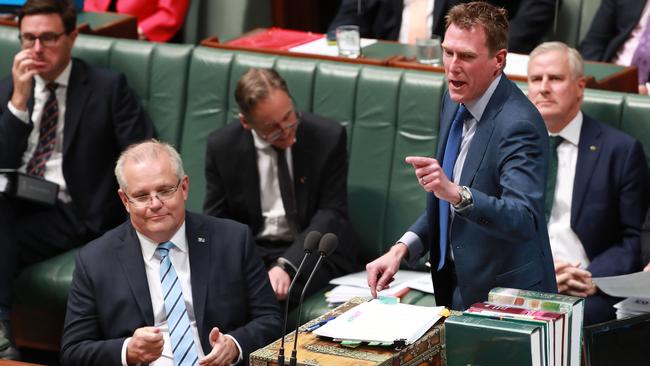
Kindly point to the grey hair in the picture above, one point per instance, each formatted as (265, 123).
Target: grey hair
(146, 151)
(576, 63)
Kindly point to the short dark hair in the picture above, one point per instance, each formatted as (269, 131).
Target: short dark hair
(494, 21)
(256, 85)
(63, 8)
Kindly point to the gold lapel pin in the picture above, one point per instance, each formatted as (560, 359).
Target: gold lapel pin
(593, 148)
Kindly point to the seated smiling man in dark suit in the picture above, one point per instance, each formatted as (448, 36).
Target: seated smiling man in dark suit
(283, 173)
(167, 287)
(67, 122)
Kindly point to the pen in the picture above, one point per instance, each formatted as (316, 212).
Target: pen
(319, 324)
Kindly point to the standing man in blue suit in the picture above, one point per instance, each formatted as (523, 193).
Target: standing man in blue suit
(65, 121)
(484, 222)
(597, 199)
(163, 271)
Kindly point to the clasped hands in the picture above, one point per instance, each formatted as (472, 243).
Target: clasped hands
(146, 345)
(573, 280)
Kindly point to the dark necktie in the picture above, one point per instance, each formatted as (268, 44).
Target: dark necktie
(286, 191)
(448, 162)
(46, 134)
(178, 322)
(554, 142)
(641, 58)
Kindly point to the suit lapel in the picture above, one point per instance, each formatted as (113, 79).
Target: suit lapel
(251, 182)
(484, 129)
(78, 92)
(129, 254)
(301, 158)
(198, 244)
(589, 148)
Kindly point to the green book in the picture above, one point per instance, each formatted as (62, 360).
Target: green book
(572, 306)
(483, 341)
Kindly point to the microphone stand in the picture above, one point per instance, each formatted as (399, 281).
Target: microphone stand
(292, 360)
(286, 311)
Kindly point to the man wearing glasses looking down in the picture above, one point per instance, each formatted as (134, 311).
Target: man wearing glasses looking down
(66, 122)
(283, 173)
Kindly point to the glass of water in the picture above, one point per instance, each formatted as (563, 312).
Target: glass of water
(348, 41)
(429, 50)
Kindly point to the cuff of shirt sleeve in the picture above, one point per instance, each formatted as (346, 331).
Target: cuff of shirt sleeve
(21, 115)
(241, 357)
(124, 346)
(415, 247)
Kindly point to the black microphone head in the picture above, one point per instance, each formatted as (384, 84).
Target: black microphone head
(328, 244)
(311, 241)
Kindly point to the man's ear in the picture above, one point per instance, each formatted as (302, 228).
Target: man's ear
(501, 59)
(244, 122)
(125, 200)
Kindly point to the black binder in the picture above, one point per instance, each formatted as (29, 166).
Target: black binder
(28, 187)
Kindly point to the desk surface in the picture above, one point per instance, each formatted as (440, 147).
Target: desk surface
(102, 24)
(392, 54)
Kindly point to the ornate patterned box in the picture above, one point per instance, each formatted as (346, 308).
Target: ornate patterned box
(429, 350)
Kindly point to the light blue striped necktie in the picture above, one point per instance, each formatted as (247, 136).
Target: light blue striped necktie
(178, 321)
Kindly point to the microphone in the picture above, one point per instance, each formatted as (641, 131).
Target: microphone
(326, 247)
(311, 242)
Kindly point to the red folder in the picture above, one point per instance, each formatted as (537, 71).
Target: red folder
(276, 39)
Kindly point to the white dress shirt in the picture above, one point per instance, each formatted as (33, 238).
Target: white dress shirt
(404, 28)
(476, 109)
(180, 259)
(275, 226)
(54, 165)
(565, 244)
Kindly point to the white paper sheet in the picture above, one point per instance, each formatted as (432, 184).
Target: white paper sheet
(630, 285)
(321, 47)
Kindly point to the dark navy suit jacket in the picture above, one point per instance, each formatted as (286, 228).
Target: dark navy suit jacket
(611, 26)
(503, 240)
(109, 297)
(382, 19)
(610, 199)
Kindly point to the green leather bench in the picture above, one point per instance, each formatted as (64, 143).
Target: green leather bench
(188, 91)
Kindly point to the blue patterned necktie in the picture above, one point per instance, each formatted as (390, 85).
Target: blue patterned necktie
(46, 134)
(178, 321)
(448, 162)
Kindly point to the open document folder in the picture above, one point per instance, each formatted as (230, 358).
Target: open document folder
(375, 321)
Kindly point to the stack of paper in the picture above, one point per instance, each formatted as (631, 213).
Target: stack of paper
(356, 285)
(375, 321)
(635, 287)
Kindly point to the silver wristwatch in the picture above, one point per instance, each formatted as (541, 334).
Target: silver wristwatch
(465, 198)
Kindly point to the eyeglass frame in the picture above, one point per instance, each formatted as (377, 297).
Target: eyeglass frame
(279, 127)
(167, 194)
(44, 43)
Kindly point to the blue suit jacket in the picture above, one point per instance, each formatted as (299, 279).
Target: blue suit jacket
(503, 240)
(611, 26)
(610, 199)
(109, 297)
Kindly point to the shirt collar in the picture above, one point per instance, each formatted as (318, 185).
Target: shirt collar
(63, 79)
(571, 132)
(261, 144)
(477, 107)
(149, 246)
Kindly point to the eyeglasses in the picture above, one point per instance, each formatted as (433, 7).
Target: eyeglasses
(147, 199)
(47, 39)
(281, 128)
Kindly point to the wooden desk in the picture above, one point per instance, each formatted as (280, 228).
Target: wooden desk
(600, 75)
(17, 363)
(102, 24)
(429, 350)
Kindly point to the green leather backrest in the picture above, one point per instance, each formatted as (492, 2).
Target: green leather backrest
(10, 46)
(156, 72)
(604, 106)
(636, 120)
